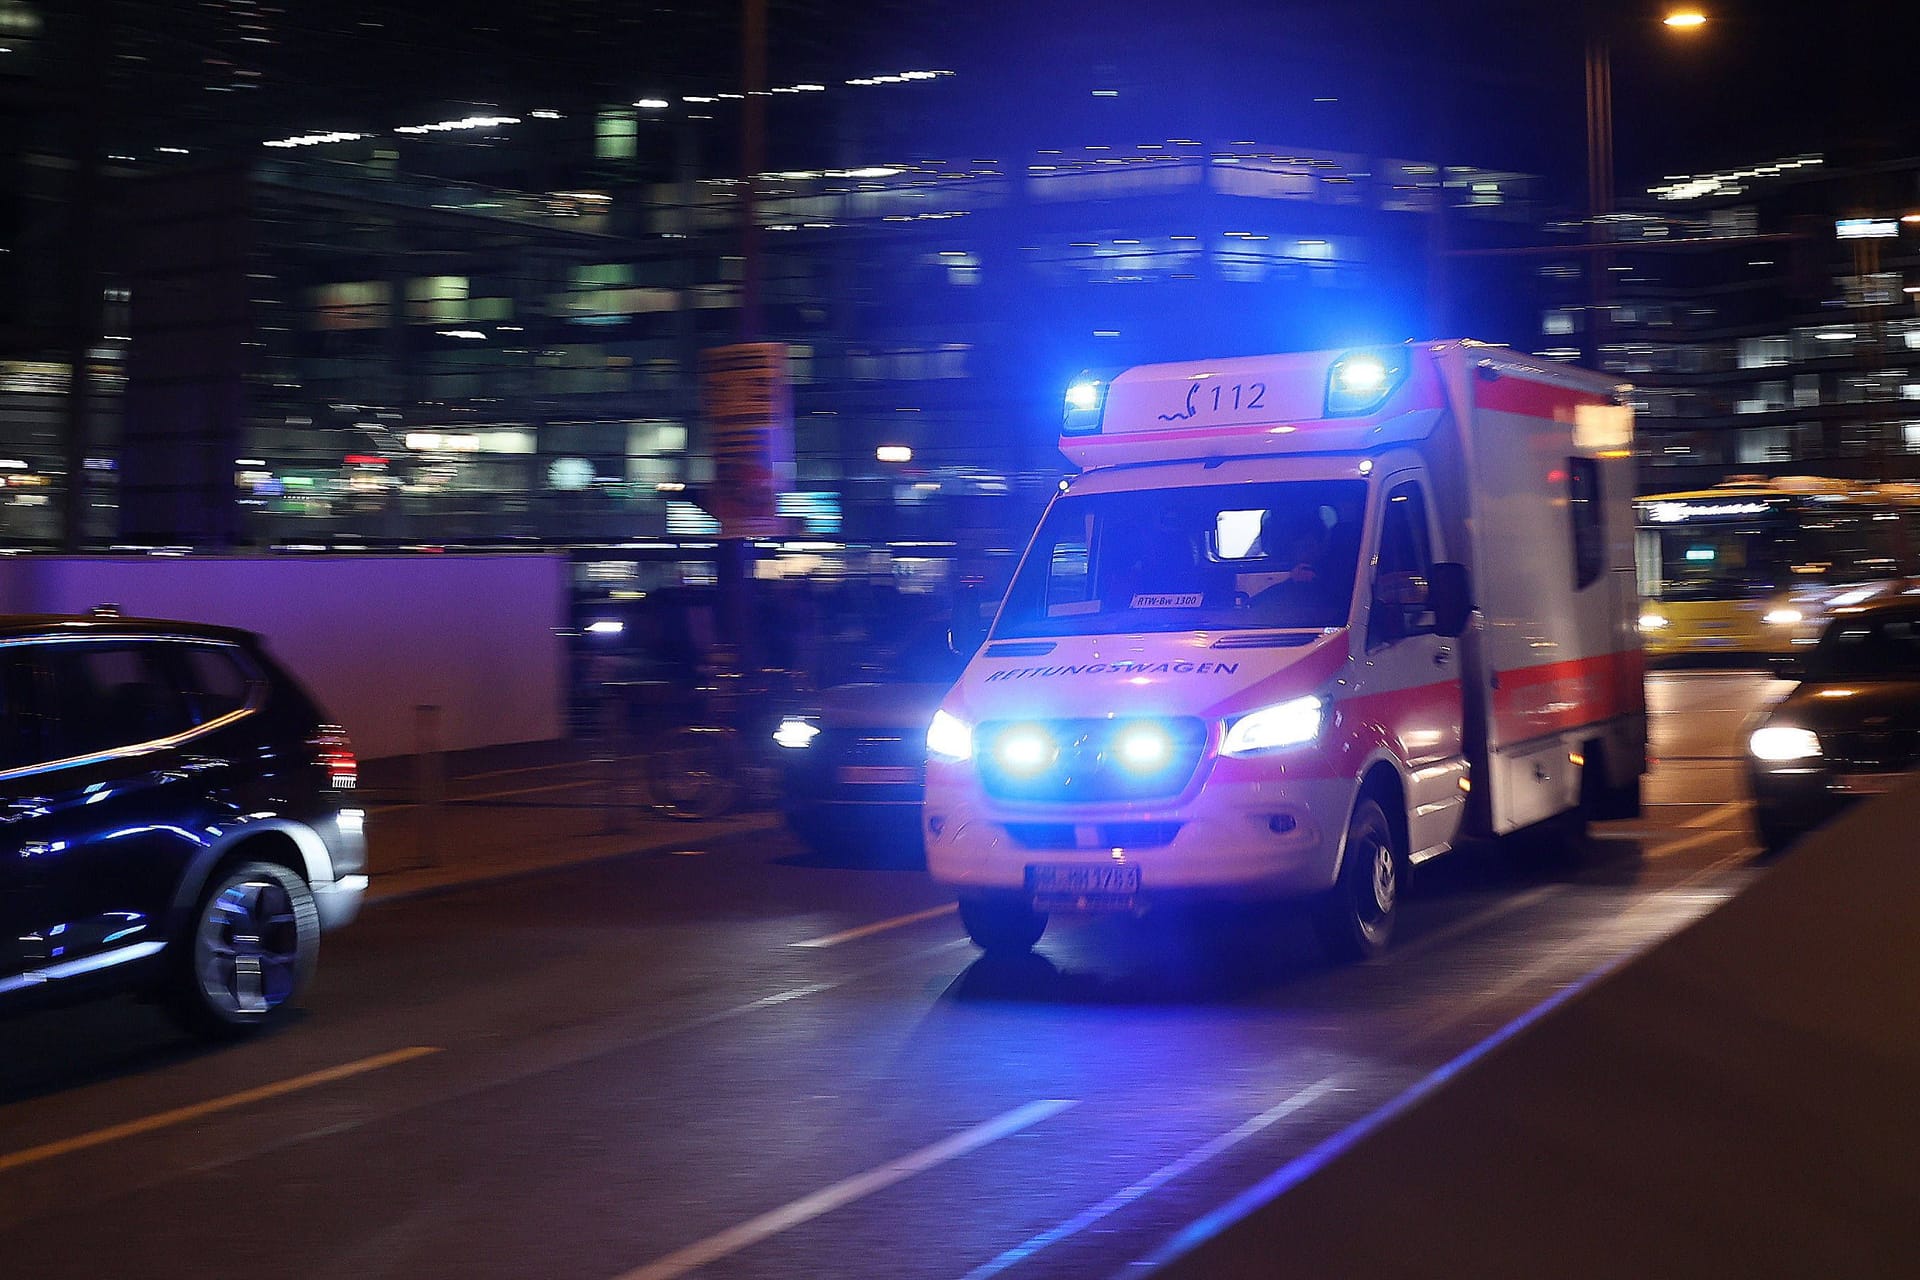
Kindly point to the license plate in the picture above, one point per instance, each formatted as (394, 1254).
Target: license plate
(871, 775)
(1084, 886)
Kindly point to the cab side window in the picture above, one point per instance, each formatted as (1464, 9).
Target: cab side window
(1583, 508)
(1401, 568)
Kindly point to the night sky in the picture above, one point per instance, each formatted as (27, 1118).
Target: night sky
(1491, 82)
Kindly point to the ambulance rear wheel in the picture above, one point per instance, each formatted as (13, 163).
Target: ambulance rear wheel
(1355, 918)
(1002, 926)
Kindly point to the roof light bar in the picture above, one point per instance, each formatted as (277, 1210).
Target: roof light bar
(1086, 405)
(1361, 381)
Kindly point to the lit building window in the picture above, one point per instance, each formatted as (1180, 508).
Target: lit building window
(616, 136)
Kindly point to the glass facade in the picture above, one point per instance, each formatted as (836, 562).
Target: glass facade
(1762, 334)
(485, 329)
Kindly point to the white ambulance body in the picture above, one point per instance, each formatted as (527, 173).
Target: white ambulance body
(1300, 622)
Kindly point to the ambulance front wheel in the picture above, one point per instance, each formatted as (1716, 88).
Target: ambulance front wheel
(1355, 918)
(1002, 926)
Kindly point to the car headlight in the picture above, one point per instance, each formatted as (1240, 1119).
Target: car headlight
(1285, 724)
(949, 738)
(1652, 622)
(1781, 617)
(795, 733)
(1778, 742)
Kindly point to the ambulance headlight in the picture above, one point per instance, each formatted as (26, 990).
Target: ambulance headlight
(1143, 748)
(796, 734)
(949, 738)
(1286, 724)
(1086, 403)
(1361, 381)
(1781, 742)
(1025, 750)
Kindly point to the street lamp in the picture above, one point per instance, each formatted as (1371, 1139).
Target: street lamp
(1600, 160)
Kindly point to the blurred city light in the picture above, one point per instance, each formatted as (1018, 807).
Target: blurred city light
(1685, 19)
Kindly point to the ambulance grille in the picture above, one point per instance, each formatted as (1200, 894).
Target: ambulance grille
(1086, 766)
(1105, 835)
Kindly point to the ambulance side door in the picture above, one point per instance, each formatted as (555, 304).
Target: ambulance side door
(1411, 673)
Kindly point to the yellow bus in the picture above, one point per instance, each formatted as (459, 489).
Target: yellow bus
(1752, 566)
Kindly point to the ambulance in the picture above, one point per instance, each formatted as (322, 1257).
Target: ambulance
(1299, 623)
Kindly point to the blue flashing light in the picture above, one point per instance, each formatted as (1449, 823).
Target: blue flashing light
(1144, 748)
(1086, 404)
(1025, 750)
(1361, 381)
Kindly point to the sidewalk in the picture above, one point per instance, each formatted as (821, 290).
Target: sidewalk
(514, 810)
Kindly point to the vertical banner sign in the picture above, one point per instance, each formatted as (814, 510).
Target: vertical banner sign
(748, 407)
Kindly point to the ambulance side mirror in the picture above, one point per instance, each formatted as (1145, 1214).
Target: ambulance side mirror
(1450, 597)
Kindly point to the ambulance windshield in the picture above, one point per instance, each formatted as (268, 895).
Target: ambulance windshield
(1210, 558)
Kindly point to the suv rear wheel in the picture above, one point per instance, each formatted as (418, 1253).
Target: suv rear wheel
(248, 952)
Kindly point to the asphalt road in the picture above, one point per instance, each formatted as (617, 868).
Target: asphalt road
(733, 1059)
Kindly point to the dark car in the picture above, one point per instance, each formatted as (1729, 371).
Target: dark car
(178, 819)
(1851, 728)
(855, 763)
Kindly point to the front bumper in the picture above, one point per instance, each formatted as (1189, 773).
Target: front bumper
(339, 901)
(1228, 840)
(339, 897)
(1799, 799)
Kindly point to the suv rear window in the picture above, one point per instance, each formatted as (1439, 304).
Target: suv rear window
(111, 694)
(216, 682)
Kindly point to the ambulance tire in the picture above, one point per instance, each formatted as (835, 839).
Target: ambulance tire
(1003, 926)
(1355, 918)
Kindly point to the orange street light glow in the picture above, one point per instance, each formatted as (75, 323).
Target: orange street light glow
(1686, 18)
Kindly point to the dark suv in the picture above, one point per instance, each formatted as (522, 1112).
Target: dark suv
(176, 818)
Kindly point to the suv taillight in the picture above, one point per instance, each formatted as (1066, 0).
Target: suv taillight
(334, 751)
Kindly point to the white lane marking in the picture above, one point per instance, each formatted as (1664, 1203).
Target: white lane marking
(1158, 1178)
(878, 926)
(846, 1191)
(1712, 817)
(213, 1106)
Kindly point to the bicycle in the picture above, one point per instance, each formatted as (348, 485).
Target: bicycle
(718, 762)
